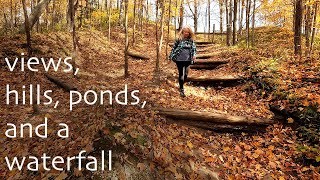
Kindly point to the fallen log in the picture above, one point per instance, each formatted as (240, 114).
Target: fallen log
(311, 80)
(138, 56)
(61, 83)
(216, 79)
(211, 117)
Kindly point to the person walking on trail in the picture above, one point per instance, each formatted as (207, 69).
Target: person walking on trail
(183, 53)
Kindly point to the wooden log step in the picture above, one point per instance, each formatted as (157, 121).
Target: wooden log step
(219, 118)
(205, 56)
(219, 127)
(209, 65)
(216, 79)
(208, 62)
(204, 66)
(137, 55)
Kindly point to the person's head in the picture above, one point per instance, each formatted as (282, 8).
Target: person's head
(186, 33)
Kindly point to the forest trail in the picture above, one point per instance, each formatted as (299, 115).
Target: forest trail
(147, 145)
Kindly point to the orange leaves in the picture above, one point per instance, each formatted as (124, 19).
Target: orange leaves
(290, 120)
(258, 153)
(189, 144)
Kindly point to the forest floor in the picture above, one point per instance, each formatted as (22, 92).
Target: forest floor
(148, 146)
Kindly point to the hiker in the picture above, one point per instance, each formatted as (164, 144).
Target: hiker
(183, 53)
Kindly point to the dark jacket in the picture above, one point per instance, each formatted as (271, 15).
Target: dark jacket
(178, 46)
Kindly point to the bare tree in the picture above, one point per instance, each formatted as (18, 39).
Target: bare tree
(221, 16)
(242, 5)
(168, 32)
(253, 22)
(228, 23)
(37, 11)
(134, 22)
(209, 17)
(297, 27)
(314, 23)
(27, 28)
(235, 11)
(109, 20)
(248, 7)
(181, 15)
(159, 40)
(126, 61)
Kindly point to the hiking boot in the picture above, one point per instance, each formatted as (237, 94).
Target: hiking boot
(182, 93)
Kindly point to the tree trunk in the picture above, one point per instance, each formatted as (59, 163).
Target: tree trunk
(37, 11)
(175, 20)
(253, 23)
(209, 19)
(27, 28)
(71, 7)
(126, 63)
(241, 17)
(235, 11)
(109, 20)
(195, 15)
(313, 26)
(248, 4)
(141, 8)
(11, 14)
(120, 12)
(221, 16)
(168, 33)
(159, 41)
(297, 31)
(181, 15)
(228, 23)
(134, 22)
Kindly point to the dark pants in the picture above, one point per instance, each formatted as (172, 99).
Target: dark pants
(183, 68)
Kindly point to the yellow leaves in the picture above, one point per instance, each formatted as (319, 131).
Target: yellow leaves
(210, 159)
(305, 169)
(290, 120)
(189, 144)
(271, 147)
(226, 149)
(305, 103)
(257, 153)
